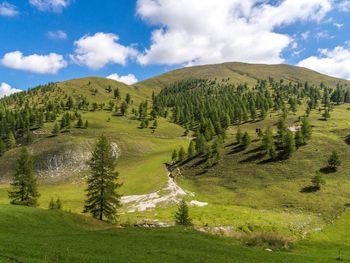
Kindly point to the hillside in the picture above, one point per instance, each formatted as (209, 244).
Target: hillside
(240, 73)
(238, 183)
(36, 235)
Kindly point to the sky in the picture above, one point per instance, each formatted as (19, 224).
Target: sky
(45, 41)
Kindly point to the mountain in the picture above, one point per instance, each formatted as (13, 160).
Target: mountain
(233, 185)
(239, 73)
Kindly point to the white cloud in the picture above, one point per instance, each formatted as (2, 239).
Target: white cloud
(338, 25)
(324, 35)
(57, 35)
(50, 5)
(128, 79)
(7, 9)
(41, 64)
(335, 62)
(207, 31)
(6, 90)
(344, 6)
(101, 49)
(305, 35)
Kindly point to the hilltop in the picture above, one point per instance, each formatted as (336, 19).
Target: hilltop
(240, 73)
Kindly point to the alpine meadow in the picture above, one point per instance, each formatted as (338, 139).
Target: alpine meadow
(203, 159)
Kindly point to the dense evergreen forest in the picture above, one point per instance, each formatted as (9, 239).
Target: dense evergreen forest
(209, 107)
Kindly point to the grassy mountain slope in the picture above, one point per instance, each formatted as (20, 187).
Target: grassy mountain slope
(240, 73)
(36, 235)
(62, 159)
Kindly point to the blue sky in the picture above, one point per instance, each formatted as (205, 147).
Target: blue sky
(54, 40)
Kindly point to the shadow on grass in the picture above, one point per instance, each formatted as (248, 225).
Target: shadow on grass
(202, 172)
(309, 189)
(259, 149)
(327, 170)
(347, 139)
(237, 149)
(253, 158)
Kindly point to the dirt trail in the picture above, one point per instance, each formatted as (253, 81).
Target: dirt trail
(169, 195)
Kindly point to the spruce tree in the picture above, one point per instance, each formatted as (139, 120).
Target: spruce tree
(11, 140)
(191, 149)
(24, 185)
(299, 138)
(289, 143)
(239, 136)
(174, 156)
(2, 147)
(246, 140)
(182, 217)
(306, 129)
(334, 160)
(182, 154)
(102, 197)
(56, 129)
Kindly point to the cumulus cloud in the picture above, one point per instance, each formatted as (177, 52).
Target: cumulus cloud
(50, 5)
(57, 35)
(334, 62)
(7, 9)
(101, 49)
(207, 31)
(6, 90)
(40, 64)
(128, 79)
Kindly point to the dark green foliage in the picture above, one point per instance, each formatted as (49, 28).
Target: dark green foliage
(24, 184)
(299, 138)
(80, 123)
(334, 160)
(191, 149)
(174, 156)
(102, 197)
(124, 108)
(269, 144)
(306, 129)
(318, 180)
(2, 147)
(289, 143)
(239, 136)
(11, 140)
(55, 204)
(182, 216)
(56, 129)
(326, 115)
(182, 154)
(246, 140)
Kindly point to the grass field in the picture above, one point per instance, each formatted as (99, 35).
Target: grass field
(36, 235)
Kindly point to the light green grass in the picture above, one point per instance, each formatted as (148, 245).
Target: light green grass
(36, 235)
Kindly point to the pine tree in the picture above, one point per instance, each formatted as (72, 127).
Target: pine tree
(2, 147)
(86, 125)
(326, 115)
(182, 217)
(289, 143)
(174, 156)
(318, 180)
(24, 185)
(182, 154)
(52, 204)
(56, 129)
(268, 143)
(102, 197)
(58, 204)
(246, 140)
(299, 138)
(239, 136)
(80, 122)
(306, 129)
(11, 140)
(191, 149)
(334, 160)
